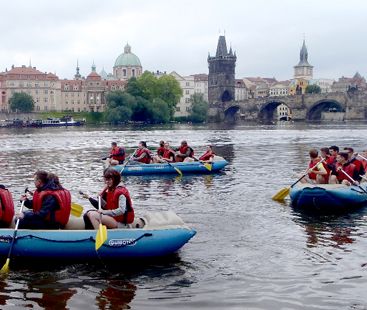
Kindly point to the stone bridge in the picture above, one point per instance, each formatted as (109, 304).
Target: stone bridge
(308, 107)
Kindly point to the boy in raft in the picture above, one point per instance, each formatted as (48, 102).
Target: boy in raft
(117, 155)
(356, 162)
(184, 152)
(142, 154)
(337, 176)
(50, 206)
(208, 155)
(117, 210)
(317, 172)
(6, 207)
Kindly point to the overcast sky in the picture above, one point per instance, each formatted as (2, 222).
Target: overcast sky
(177, 35)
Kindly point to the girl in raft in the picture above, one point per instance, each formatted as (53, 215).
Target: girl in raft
(116, 205)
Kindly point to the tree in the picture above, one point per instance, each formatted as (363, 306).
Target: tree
(21, 102)
(169, 91)
(313, 89)
(120, 107)
(199, 109)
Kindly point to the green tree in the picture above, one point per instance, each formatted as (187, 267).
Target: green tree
(120, 107)
(169, 91)
(199, 109)
(21, 102)
(313, 89)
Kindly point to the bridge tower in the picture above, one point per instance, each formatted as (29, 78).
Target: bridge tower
(221, 80)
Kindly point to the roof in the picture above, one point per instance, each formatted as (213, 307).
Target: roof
(127, 59)
(94, 76)
(27, 72)
(200, 77)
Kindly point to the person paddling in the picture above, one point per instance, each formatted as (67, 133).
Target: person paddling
(315, 175)
(117, 155)
(6, 207)
(117, 210)
(50, 206)
(208, 155)
(359, 166)
(142, 154)
(167, 156)
(184, 152)
(337, 176)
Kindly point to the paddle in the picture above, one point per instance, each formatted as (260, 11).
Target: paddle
(352, 180)
(128, 160)
(178, 170)
(206, 165)
(5, 268)
(364, 158)
(279, 196)
(101, 235)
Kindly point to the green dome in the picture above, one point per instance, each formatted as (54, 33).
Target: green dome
(127, 58)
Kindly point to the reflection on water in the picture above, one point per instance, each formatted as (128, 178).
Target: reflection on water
(249, 251)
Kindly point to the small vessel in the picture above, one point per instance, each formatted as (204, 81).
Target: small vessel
(57, 122)
(328, 198)
(154, 235)
(163, 168)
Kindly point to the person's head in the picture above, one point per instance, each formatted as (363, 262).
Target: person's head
(324, 152)
(114, 144)
(183, 142)
(166, 145)
(142, 144)
(54, 178)
(40, 178)
(350, 151)
(313, 153)
(334, 150)
(161, 143)
(209, 147)
(342, 157)
(112, 177)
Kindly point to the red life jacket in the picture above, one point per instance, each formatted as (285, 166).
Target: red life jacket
(168, 154)
(207, 155)
(147, 158)
(160, 151)
(63, 199)
(358, 164)
(112, 203)
(183, 150)
(311, 164)
(348, 168)
(115, 156)
(7, 206)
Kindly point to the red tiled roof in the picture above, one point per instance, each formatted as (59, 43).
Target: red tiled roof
(94, 76)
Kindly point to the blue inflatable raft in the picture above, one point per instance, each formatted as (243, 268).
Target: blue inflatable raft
(328, 198)
(185, 167)
(163, 233)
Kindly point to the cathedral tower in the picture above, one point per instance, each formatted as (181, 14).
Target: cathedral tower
(303, 70)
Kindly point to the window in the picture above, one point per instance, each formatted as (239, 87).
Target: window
(133, 72)
(187, 100)
(124, 72)
(187, 92)
(187, 83)
(178, 109)
(188, 109)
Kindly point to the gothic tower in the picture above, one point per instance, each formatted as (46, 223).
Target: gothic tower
(221, 80)
(303, 70)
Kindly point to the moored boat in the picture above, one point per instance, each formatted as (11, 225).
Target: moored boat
(328, 198)
(159, 234)
(164, 168)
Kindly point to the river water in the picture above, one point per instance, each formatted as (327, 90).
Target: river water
(249, 252)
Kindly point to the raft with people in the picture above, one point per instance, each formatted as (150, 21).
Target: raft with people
(155, 234)
(166, 161)
(328, 198)
(333, 182)
(216, 165)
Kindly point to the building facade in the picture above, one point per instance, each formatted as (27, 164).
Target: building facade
(187, 84)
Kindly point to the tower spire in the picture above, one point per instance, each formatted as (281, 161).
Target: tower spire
(77, 75)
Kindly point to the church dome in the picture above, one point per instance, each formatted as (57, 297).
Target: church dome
(127, 59)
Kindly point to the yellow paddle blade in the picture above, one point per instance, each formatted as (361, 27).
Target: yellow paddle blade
(279, 196)
(208, 166)
(5, 268)
(76, 209)
(178, 171)
(101, 236)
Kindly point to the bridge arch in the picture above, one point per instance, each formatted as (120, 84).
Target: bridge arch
(268, 111)
(314, 113)
(230, 112)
